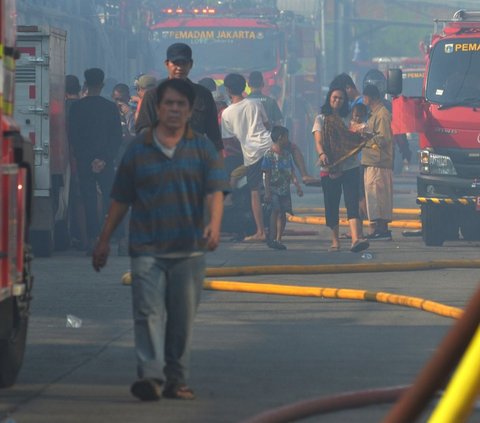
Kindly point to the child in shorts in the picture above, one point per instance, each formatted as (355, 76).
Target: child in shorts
(279, 173)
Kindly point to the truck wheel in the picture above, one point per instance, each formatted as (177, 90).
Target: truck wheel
(12, 351)
(470, 228)
(432, 226)
(42, 243)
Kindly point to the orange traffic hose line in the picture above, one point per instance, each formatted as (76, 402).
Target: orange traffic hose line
(336, 293)
(300, 210)
(436, 372)
(323, 405)
(340, 268)
(319, 220)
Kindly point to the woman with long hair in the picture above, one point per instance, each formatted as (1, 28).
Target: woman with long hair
(340, 168)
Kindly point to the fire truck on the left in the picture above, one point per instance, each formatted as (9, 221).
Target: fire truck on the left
(16, 161)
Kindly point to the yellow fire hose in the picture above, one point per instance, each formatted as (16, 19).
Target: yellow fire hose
(320, 220)
(341, 268)
(462, 391)
(336, 293)
(217, 272)
(301, 210)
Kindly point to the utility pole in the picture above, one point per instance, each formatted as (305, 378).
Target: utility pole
(342, 35)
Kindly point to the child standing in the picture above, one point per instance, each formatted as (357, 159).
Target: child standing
(279, 173)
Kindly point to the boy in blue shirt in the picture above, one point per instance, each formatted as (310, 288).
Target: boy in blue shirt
(279, 173)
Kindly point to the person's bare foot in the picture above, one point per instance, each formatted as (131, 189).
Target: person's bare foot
(255, 238)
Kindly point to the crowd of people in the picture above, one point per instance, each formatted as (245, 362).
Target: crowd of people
(175, 146)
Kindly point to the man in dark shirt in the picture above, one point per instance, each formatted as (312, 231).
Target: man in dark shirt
(95, 133)
(204, 116)
(77, 222)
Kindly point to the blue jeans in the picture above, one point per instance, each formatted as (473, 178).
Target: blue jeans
(165, 296)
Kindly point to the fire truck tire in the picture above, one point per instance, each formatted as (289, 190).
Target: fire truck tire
(42, 243)
(12, 351)
(433, 232)
(470, 228)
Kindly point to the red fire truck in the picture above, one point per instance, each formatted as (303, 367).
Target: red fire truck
(16, 158)
(447, 117)
(279, 44)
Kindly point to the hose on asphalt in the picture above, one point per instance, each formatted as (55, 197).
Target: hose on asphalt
(435, 374)
(324, 405)
(336, 293)
(319, 269)
(319, 220)
(411, 401)
(341, 268)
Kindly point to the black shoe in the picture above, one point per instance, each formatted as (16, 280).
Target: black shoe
(147, 389)
(276, 245)
(380, 236)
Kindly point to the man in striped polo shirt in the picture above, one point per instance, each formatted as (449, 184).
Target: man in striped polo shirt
(165, 176)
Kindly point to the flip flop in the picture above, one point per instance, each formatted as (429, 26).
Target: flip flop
(359, 245)
(334, 248)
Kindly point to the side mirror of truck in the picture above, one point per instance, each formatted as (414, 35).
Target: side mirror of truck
(394, 82)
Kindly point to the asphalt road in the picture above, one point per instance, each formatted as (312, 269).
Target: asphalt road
(251, 352)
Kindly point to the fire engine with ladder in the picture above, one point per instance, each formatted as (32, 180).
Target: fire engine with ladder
(16, 159)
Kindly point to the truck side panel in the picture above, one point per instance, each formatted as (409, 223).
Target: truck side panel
(40, 111)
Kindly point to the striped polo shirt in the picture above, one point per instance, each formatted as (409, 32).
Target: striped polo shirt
(167, 194)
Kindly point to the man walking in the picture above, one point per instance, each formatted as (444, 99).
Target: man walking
(204, 119)
(95, 134)
(245, 120)
(165, 176)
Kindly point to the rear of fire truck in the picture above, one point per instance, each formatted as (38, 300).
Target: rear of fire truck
(16, 158)
(447, 118)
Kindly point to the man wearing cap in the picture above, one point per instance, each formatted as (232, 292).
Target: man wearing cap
(204, 116)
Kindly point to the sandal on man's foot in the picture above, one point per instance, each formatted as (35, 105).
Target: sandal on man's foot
(359, 245)
(175, 391)
(147, 389)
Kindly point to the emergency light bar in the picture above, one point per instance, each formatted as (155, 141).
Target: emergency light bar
(196, 11)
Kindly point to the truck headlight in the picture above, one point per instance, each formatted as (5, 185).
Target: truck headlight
(436, 164)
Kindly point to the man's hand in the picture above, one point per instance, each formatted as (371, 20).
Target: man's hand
(100, 255)
(299, 190)
(124, 108)
(212, 235)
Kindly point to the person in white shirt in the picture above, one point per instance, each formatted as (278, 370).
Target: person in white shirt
(246, 120)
